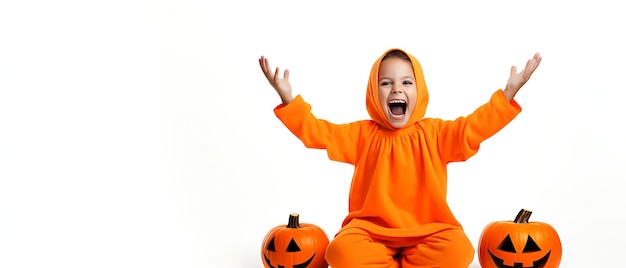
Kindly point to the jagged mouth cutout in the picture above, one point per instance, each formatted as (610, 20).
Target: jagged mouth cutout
(301, 265)
(540, 263)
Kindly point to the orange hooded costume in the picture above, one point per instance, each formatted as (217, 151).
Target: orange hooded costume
(400, 178)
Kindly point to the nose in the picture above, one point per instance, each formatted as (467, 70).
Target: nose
(396, 89)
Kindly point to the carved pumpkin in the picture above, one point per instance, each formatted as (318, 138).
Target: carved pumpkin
(295, 245)
(519, 244)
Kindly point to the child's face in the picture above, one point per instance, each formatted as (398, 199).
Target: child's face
(396, 90)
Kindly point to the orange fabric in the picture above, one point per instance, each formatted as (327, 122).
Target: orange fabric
(354, 247)
(400, 178)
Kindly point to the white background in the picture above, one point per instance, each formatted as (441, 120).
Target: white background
(141, 133)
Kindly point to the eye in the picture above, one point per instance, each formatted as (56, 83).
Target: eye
(385, 83)
(531, 246)
(293, 246)
(270, 245)
(407, 82)
(507, 245)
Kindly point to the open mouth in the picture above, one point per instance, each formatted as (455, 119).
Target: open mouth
(397, 108)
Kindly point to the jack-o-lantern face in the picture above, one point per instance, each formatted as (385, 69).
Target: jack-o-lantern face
(295, 245)
(531, 248)
(519, 244)
(291, 248)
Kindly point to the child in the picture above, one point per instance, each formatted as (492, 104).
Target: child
(398, 215)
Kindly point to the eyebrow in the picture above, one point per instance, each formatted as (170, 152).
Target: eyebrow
(404, 77)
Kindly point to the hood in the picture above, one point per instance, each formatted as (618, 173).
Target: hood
(372, 102)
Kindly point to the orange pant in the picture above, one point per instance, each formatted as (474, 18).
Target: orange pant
(356, 248)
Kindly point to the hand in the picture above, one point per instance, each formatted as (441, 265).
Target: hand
(517, 80)
(281, 85)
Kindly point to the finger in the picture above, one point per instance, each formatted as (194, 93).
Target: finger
(262, 63)
(531, 65)
(286, 75)
(513, 70)
(537, 59)
(276, 75)
(266, 68)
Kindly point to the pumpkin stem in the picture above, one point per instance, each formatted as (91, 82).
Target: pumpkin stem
(294, 220)
(522, 216)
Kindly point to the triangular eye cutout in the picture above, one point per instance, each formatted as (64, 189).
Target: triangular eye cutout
(507, 245)
(271, 246)
(531, 245)
(293, 247)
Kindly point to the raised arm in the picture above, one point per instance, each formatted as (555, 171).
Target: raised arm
(517, 80)
(339, 140)
(281, 85)
(461, 138)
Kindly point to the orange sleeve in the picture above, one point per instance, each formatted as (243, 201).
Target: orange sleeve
(339, 140)
(460, 139)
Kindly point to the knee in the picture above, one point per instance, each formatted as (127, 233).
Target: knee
(354, 248)
(446, 249)
(338, 253)
(465, 251)
(461, 248)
